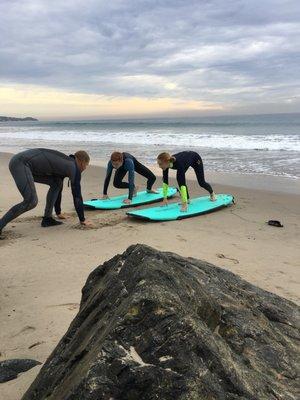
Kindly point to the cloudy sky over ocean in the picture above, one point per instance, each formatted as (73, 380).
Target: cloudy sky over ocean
(88, 58)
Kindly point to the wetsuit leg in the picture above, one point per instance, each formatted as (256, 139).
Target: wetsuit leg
(199, 171)
(25, 183)
(144, 171)
(118, 179)
(55, 184)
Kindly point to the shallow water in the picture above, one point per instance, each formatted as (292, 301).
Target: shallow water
(260, 144)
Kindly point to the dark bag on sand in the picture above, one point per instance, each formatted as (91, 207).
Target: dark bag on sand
(273, 222)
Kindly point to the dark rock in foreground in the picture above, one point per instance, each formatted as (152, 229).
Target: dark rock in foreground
(154, 325)
(10, 369)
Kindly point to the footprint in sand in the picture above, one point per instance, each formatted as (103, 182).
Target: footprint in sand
(234, 260)
(25, 330)
(70, 306)
(178, 237)
(130, 227)
(35, 344)
(8, 236)
(29, 219)
(104, 221)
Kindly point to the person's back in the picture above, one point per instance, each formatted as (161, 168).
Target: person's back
(184, 159)
(48, 162)
(181, 162)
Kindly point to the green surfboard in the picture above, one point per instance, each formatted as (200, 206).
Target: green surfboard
(171, 212)
(116, 202)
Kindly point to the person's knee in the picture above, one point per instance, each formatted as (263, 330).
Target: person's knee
(203, 184)
(12, 163)
(30, 203)
(117, 184)
(152, 179)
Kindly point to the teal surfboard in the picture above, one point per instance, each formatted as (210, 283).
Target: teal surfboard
(116, 202)
(171, 212)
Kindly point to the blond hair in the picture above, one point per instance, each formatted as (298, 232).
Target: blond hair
(165, 157)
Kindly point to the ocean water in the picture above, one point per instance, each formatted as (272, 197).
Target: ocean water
(260, 144)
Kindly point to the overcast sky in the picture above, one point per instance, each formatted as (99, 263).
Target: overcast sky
(207, 56)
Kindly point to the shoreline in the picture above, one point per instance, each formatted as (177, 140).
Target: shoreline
(262, 182)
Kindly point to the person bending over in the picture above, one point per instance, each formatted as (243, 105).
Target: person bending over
(125, 163)
(49, 167)
(181, 162)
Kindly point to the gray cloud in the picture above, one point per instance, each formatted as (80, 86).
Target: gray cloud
(234, 53)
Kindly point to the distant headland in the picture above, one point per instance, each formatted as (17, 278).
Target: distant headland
(7, 119)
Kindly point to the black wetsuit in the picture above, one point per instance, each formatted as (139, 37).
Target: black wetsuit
(183, 161)
(45, 166)
(130, 165)
(57, 204)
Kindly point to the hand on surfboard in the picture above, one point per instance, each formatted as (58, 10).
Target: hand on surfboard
(165, 202)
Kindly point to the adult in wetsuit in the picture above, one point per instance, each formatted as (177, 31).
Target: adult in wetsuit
(123, 163)
(49, 167)
(182, 162)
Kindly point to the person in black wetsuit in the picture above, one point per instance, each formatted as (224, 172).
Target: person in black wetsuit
(123, 163)
(182, 162)
(49, 167)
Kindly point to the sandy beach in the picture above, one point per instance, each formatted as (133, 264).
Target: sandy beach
(43, 270)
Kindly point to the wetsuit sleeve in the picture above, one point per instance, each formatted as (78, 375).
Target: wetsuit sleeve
(57, 205)
(182, 184)
(107, 178)
(165, 182)
(129, 166)
(77, 197)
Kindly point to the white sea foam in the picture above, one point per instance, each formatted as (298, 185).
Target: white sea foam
(158, 138)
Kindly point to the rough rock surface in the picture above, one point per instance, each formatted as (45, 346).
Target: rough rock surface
(10, 369)
(155, 325)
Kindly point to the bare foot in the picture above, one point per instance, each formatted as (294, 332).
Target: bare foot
(62, 216)
(127, 201)
(152, 191)
(213, 197)
(184, 207)
(136, 188)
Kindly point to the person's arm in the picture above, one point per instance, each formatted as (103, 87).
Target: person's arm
(77, 197)
(165, 182)
(107, 178)
(129, 166)
(182, 184)
(57, 205)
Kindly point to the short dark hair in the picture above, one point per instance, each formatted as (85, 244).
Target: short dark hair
(116, 156)
(82, 155)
